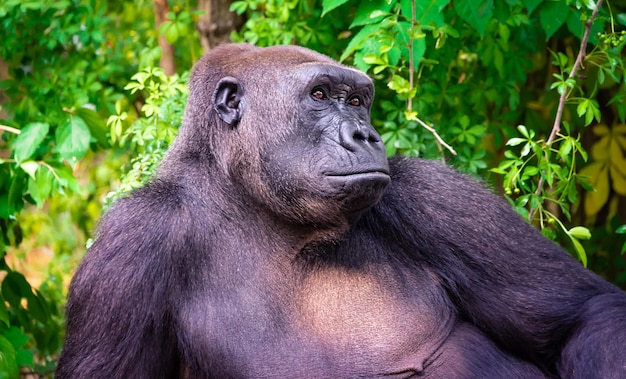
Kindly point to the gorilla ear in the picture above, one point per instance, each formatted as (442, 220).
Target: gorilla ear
(227, 100)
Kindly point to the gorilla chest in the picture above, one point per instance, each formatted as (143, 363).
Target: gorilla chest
(330, 324)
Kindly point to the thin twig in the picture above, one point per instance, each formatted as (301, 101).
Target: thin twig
(440, 142)
(434, 132)
(409, 105)
(10, 129)
(556, 127)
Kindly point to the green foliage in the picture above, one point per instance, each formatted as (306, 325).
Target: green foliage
(274, 22)
(63, 66)
(150, 134)
(37, 318)
(53, 55)
(562, 176)
(178, 25)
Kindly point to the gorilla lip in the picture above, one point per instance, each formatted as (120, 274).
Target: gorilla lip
(360, 173)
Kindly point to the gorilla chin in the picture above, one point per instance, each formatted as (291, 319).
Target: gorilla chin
(363, 189)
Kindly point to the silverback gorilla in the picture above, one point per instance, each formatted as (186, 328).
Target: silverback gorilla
(277, 241)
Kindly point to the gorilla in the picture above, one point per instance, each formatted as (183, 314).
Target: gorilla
(278, 241)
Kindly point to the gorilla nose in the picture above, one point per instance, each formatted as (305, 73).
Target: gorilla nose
(356, 136)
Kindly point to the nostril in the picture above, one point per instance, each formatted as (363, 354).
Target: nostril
(373, 138)
(359, 135)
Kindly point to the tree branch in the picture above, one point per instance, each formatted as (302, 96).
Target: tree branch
(439, 140)
(434, 132)
(10, 129)
(556, 127)
(167, 50)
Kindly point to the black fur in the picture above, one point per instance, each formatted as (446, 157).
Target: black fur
(277, 241)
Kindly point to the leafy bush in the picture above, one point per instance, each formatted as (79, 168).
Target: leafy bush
(63, 67)
(150, 134)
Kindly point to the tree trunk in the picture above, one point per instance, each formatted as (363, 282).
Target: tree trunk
(217, 22)
(167, 50)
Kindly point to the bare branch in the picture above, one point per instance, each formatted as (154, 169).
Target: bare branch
(10, 129)
(434, 132)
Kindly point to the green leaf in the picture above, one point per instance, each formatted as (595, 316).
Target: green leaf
(239, 7)
(552, 15)
(66, 179)
(525, 150)
(14, 288)
(515, 141)
(24, 357)
(566, 147)
(373, 59)
(621, 229)
(477, 13)
(366, 9)
(29, 140)
(399, 84)
(16, 190)
(427, 12)
(170, 30)
(531, 170)
(329, 5)
(580, 232)
(531, 5)
(523, 131)
(40, 186)
(16, 337)
(362, 35)
(4, 312)
(72, 139)
(581, 109)
(8, 363)
(38, 307)
(30, 167)
(580, 250)
(97, 126)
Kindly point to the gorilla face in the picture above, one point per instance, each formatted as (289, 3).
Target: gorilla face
(332, 162)
(311, 156)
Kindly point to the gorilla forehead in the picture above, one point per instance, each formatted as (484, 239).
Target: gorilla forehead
(282, 59)
(334, 73)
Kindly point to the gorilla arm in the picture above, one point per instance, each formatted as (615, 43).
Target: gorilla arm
(522, 290)
(118, 321)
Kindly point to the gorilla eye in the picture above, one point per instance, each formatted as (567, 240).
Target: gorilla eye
(355, 100)
(318, 93)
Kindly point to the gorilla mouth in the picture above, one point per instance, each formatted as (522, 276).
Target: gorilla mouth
(367, 180)
(368, 175)
(360, 174)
